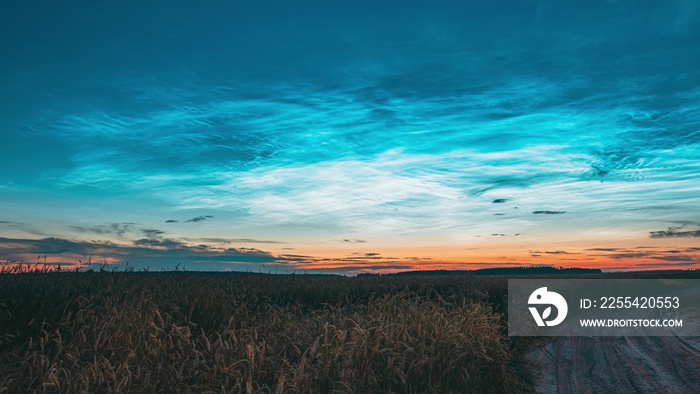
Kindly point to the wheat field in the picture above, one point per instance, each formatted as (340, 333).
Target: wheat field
(188, 332)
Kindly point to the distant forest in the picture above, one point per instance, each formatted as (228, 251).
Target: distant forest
(533, 270)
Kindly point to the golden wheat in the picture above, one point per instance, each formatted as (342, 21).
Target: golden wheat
(196, 332)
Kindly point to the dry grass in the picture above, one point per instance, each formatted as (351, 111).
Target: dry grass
(196, 332)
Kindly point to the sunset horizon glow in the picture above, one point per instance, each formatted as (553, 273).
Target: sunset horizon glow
(330, 137)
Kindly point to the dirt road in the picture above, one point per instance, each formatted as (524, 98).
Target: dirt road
(618, 365)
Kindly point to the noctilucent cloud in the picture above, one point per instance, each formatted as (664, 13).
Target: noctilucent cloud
(351, 136)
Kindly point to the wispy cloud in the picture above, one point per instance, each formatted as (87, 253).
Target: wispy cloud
(152, 233)
(647, 256)
(233, 240)
(198, 219)
(117, 229)
(141, 253)
(549, 212)
(674, 234)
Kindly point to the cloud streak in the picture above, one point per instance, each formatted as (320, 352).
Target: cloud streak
(145, 252)
(674, 234)
(198, 219)
(117, 229)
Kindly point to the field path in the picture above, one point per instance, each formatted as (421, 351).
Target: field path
(618, 365)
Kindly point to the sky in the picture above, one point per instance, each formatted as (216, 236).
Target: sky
(350, 136)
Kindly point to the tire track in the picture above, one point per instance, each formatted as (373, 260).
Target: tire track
(618, 364)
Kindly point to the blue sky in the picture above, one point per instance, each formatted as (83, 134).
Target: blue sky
(351, 136)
